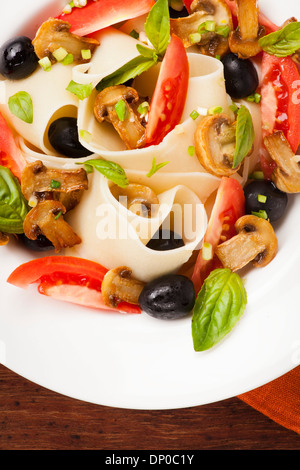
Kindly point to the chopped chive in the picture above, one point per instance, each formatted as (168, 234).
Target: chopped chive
(261, 214)
(58, 215)
(121, 110)
(261, 198)
(223, 31)
(68, 59)
(45, 63)
(60, 54)
(191, 150)
(86, 54)
(194, 38)
(55, 184)
(134, 34)
(257, 175)
(216, 110)
(194, 114)
(207, 253)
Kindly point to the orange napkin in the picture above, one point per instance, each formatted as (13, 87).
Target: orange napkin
(279, 400)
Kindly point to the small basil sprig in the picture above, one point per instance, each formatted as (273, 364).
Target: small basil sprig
(81, 91)
(157, 29)
(244, 135)
(219, 305)
(13, 206)
(284, 42)
(21, 106)
(111, 170)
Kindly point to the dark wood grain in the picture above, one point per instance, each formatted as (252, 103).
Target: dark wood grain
(34, 418)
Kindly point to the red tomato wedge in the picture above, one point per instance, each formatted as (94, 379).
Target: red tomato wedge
(103, 13)
(169, 96)
(67, 278)
(10, 154)
(229, 206)
(263, 20)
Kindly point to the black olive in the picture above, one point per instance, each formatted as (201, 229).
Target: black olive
(275, 200)
(178, 13)
(40, 244)
(63, 136)
(17, 58)
(241, 78)
(164, 240)
(168, 297)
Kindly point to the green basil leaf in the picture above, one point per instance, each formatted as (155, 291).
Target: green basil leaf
(147, 52)
(157, 26)
(244, 135)
(13, 206)
(112, 171)
(218, 307)
(156, 167)
(81, 91)
(21, 106)
(132, 69)
(284, 42)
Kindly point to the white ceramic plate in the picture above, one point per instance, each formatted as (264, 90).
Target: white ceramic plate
(135, 361)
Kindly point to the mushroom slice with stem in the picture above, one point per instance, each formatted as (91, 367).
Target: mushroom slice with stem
(215, 141)
(41, 182)
(286, 175)
(47, 219)
(255, 242)
(212, 40)
(119, 286)
(4, 239)
(139, 199)
(244, 40)
(54, 35)
(115, 105)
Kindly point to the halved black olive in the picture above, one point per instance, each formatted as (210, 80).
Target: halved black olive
(63, 136)
(164, 240)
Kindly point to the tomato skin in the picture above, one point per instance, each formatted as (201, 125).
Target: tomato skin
(67, 278)
(103, 13)
(169, 96)
(229, 206)
(280, 107)
(10, 154)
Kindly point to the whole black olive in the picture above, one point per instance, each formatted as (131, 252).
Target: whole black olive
(264, 196)
(40, 244)
(168, 297)
(63, 136)
(241, 78)
(17, 58)
(164, 240)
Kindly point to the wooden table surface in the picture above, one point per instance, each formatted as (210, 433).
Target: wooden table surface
(34, 418)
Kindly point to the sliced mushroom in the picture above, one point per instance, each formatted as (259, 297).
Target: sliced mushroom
(215, 141)
(119, 286)
(43, 183)
(244, 40)
(47, 219)
(139, 199)
(255, 242)
(54, 34)
(129, 127)
(4, 239)
(286, 175)
(210, 43)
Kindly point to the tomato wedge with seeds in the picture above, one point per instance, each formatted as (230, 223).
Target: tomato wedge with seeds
(10, 154)
(229, 206)
(169, 96)
(101, 14)
(67, 278)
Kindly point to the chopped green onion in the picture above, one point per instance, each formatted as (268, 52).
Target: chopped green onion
(218, 57)
(223, 31)
(45, 63)
(255, 98)
(69, 59)
(86, 54)
(216, 110)
(85, 135)
(207, 253)
(194, 38)
(191, 150)
(134, 34)
(121, 110)
(194, 114)
(210, 26)
(60, 54)
(257, 175)
(261, 198)
(58, 215)
(143, 108)
(261, 214)
(55, 184)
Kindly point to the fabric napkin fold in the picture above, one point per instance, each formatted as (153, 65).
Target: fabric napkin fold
(279, 400)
